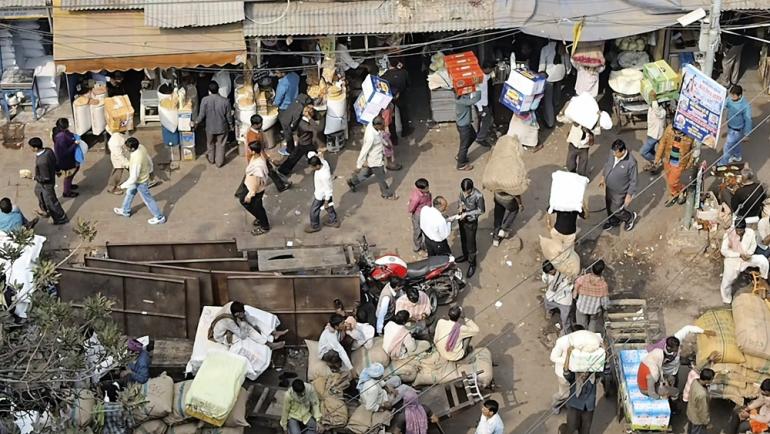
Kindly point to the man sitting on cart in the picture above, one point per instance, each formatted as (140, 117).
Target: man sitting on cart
(651, 378)
(755, 417)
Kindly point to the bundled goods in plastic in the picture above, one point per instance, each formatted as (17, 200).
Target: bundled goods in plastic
(119, 113)
(725, 343)
(437, 61)
(81, 114)
(589, 54)
(584, 110)
(567, 191)
(587, 361)
(752, 325)
(647, 90)
(216, 387)
(643, 412)
(168, 110)
(375, 96)
(98, 121)
(505, 170)
(516, 101)
(661, 76)
(527, 82)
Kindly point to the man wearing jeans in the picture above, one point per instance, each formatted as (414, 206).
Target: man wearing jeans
(371, 159)
(738, 124)
(322, 194)
(463, 109)
(139, 169)
(656, 124)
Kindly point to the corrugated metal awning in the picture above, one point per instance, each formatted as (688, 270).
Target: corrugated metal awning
(82, 5)
(383, 16)
(22, 4)
(119, 40)
(20, 9)
(191, 13)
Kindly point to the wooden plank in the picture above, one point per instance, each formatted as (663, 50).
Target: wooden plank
(301, 258)
(172, 353)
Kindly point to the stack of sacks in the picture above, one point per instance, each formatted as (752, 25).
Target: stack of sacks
(216, 389)
(731, 381)
(154, 402)
(660, 79)
(361, 358)
(47, 80)
(434, 369)
(7, 49)
(652, 414)
(523, 90)
(29, 44)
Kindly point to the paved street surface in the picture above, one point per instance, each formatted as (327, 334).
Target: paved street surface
(198, 201)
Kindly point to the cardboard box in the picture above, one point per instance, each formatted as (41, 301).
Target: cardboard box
(465, 90)
(661, 76)
(526, 82)
(516, 101)
(646, 89)
(465, 58)
(375, 96)
(465, 75)
(185, 121)
(188, 154)
(187, 139)
(119, 113)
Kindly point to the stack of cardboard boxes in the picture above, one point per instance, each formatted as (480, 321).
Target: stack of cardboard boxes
(523, 90)
(375, 96)
(465, 72)
(660, 78)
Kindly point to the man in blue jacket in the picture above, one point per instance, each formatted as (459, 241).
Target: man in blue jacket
(285, 94)
(738, 124)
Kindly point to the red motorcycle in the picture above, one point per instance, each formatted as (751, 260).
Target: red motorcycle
(437, 276)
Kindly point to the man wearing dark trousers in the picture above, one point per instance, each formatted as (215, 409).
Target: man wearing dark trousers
(215, 110)
(45, 181)
(486, 121)
(290, 118)
(308, 130)
(581, 402)
(463, 112)
(619, 180)
(471, 208)
(398, 79)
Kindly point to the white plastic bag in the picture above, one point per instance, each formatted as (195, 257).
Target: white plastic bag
(567, 191)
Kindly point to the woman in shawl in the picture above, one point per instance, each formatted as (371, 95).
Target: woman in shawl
(64, 146)
(414, 417)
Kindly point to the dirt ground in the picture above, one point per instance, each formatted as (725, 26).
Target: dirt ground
(679, 281)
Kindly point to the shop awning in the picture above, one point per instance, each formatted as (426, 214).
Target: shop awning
(382, 16)
(119, 40)
(82, 5)
(20, 9)
(191, 13)
(610, 19)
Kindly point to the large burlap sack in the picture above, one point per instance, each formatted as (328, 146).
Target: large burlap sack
(81, 411)
(434, 369)
(330, 389)
(178, 414)
(757, 364)
(237, 416)
(363, 357)
(406, 369)
(316, 367)
(151, 427)
(752, 325)
(185, 428)
(505, 169)
(720, 321)
(479, 360)
(158, 398)
(362, 420)
(733, 393)
(566, 261)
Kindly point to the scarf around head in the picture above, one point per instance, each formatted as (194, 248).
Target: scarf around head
(416, 418)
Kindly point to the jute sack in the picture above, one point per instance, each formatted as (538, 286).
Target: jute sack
(505, 169)
(721, 321)
(81, 411)
(316, 368)
(334, 411)
(565, 261)
(237, 416)
(158, 397)
(363, 357)
(178, 414)
(223, 430)
(151, 427)
(406, 369)
(185, 428)
(434, 369)
(752, 325)
(479, 360)
(362, 420)
(757, 364)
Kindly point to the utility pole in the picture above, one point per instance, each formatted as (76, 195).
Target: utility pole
(708, 68)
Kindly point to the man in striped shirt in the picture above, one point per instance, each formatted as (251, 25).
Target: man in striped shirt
(592, 296)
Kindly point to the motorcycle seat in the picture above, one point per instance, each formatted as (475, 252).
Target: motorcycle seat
(421, 268)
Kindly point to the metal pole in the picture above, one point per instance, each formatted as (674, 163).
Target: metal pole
(707, 68)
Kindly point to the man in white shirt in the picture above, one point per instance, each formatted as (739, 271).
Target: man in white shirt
(579, 140)
(763, 237)
(322, 194)
(371, 159)
(738, 247)
(119, 160)
(435, 227)
(552, 62)
(490, 422)
(656, 124)
(558, 295)
(486, 120)
(330, 349)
